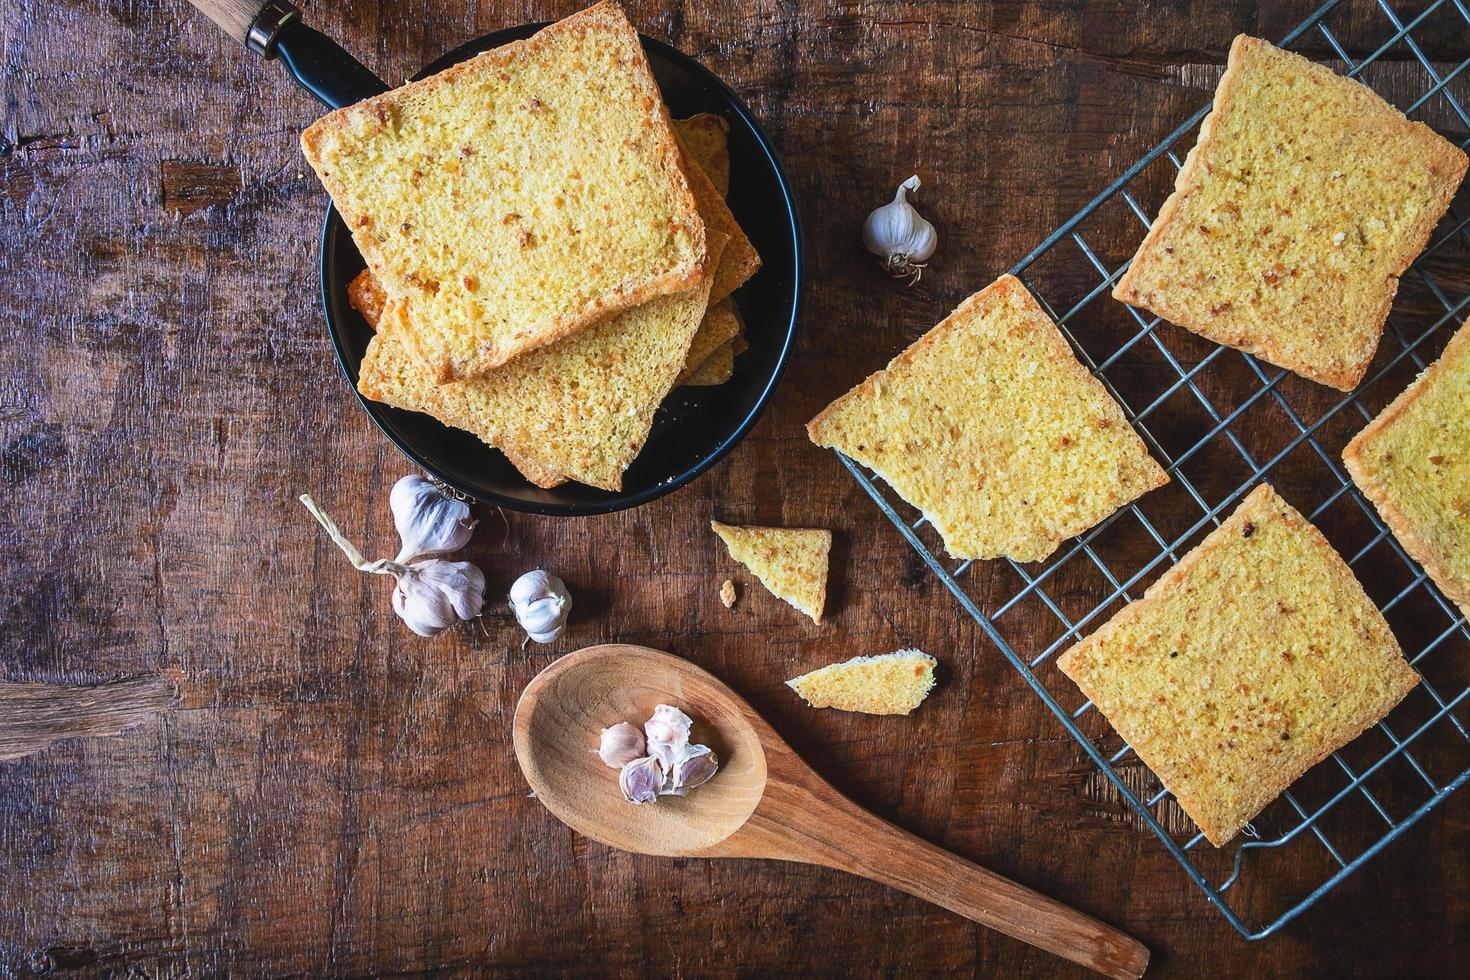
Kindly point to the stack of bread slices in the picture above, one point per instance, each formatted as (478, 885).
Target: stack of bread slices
(548, 253)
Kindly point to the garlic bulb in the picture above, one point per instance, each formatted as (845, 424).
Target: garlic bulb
(432, 594)
(668, 734)
(429, 521)
(542, 604)
(620, 744)
(694, 767)
(899, 235)
(640, 780)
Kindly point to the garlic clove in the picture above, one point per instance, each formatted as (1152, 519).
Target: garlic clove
(695, 766)
(899, 235)
(542, 604)
(668, 734)
(429, 521)
(640, 780)
(620, 744)
(434, 594)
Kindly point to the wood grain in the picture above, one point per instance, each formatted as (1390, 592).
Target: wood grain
(337, 796)
(35, 716)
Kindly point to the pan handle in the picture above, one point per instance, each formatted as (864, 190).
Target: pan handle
(273, 28)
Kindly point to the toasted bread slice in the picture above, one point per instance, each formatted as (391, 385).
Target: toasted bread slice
(790, 562)
(1305, 199)
(890, 684)
(518, 197)
(580, 409)
(718, 368)
(739, 261)
(707, 138)
(990, 426)
(719, 327)
(1413, 462)
(1246, 664)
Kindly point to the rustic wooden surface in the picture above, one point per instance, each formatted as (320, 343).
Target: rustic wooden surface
(338, 796)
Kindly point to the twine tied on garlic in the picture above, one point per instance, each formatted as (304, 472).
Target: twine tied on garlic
(431, 593)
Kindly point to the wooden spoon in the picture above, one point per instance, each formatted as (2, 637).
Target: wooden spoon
(763, 803)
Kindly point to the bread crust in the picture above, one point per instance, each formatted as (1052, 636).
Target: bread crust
(1376, 490)
(1344, 377)
(604, 16)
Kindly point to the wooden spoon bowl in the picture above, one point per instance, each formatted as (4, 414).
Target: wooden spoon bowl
(763, 803)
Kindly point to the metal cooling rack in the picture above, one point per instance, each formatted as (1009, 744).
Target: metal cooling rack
(1363, 797)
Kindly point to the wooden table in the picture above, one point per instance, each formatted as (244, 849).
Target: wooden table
(338, 796)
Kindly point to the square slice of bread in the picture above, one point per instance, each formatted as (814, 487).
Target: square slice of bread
(518, 197)
(790, 562)
(1413, 462)
(1246, 664)
(580, 409)
(707, 138)
(990, 426)
(1304, 200)
(889, 684)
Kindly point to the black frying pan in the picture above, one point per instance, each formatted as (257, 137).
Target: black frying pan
(696, 426)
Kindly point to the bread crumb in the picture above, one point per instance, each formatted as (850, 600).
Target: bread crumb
(727, 594)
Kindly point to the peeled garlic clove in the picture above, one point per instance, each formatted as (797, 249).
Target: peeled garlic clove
(434, 594)
(694, 767)
(899, 235)
(429, 521)
(640, 780)
(542, 604)
(620, 744)
(668, 734)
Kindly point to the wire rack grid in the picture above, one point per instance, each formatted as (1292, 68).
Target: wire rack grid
(1366, 795)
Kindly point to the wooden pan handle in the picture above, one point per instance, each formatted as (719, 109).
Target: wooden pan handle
(809, 821)
(237, 17)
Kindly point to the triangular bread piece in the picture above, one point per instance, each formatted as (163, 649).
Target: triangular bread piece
(889, 684)
(790, 562)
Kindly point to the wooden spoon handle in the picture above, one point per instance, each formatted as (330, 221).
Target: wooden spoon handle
(814, 824)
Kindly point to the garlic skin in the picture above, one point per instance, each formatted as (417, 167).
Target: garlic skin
(695, 766)
(434, 594)
(640, 780)
(429, 521)
(668, 734)
(899, 235)
(620, 744)
(542, 604)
